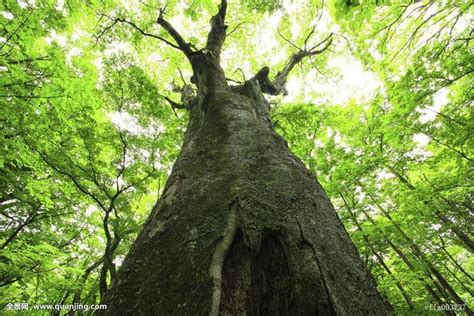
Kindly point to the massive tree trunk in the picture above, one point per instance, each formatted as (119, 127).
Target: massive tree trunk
(242, 226)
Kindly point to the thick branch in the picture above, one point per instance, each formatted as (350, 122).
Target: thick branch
(173, 104)
(181, 43)
(277, 86)
(216, 36)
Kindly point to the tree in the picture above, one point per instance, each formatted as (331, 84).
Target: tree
(91, 125)
(242, 226)
(70, 180)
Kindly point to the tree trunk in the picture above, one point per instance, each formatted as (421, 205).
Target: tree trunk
(242, 226)
(408, 263)
(467, 242)
(453, 261)
(376, 253)
(421, 255)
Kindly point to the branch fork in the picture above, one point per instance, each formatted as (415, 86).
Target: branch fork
(277, 86)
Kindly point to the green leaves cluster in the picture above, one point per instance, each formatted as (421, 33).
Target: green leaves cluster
(87, 139)
(399, 168)
(86, 147)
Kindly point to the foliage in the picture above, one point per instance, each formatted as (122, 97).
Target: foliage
(88, 137)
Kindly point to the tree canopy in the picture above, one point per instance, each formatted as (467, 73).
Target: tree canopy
(93, 97)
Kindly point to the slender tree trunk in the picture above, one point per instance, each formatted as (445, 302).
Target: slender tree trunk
(453, 261)
(418, 252)
(461, 283)
(377, 255)
(440, 289)
(464, 238)
(410, 265)
(467, 241)
(242, 226)
(84, 277)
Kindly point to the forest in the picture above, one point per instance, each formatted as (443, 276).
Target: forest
(375, 97)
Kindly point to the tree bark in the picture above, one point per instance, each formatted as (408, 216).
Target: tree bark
(242, 225)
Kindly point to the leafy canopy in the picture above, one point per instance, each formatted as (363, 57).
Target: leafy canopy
(384, 118)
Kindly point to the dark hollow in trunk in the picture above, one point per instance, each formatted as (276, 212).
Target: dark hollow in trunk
(242, 227)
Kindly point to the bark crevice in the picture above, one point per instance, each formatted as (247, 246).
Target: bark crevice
(331, 306)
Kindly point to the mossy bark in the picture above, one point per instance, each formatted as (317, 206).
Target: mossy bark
(242, 226)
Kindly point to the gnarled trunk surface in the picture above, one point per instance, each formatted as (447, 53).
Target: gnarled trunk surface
(242, 226)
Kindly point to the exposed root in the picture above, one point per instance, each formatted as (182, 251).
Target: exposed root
(218, 258)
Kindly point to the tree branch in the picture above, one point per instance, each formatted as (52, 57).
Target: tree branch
(10, 36)
(32, 96)
(28, 60)
(181, 43)
(288, 41)
(234, 29)
(277, 86)
(174, 105)
(117, 20)
(217, 34)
